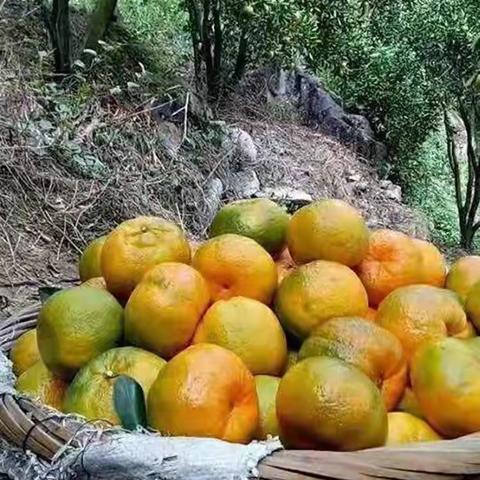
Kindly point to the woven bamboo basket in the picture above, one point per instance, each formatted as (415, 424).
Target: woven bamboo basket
(29, 425)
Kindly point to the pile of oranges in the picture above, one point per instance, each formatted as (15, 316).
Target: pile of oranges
(310, 327)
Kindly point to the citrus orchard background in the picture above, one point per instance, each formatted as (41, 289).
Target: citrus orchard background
(312, 327)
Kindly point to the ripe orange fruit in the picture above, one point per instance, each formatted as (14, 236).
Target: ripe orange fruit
(91, 392)
(420, 314)
(328, 230)
(236, 266)
(205, 391)
(164, 309)
(409, 404)
(371, 314)
(40, 383)
(404, 428)
(463, 275)
(434, 268)
(472, 305)
(24, 352)
(392, 261)
(316, 292)
(137, 245)
(325, 403)
(285, 265)
(76, 325)
(267, 388)
(445, 380)
(97, 282)
(248, 328)
(372, 349)
(259, 219)
(90, 260)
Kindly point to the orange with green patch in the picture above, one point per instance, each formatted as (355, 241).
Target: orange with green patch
(316, 292)
(445, 379)
(374, 350)
(420, 314)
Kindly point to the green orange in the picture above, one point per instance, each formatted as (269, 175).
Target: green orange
(463, 275)
(260, 219)
(75, 326)
(91, 392)
(404, 428)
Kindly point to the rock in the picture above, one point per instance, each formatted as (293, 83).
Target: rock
(324, 111)
(244, 184)
(171, 136)
(213, 196)
(293, 199)
(241, 147)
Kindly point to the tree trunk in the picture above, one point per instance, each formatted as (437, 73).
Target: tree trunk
(60, 35)
(100, 19)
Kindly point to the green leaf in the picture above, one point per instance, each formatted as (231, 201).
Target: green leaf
(46, 292)
(129, 403)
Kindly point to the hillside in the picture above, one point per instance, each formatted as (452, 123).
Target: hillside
(78, 157)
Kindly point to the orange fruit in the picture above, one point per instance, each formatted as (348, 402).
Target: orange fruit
(325, 403)
(97, 282)
(40, 383)
(316, 292)
(445, 380)
(433, 270)
(267, 388)
(372, 349)
(236, 266)
(292, 360)
(248, 328)
(24, 352)
(420, 314)
(472, 305)
(165, 308)
(90, 261)
(463, 275)
(404, 428)
(392, 261)
(258, 218)
(409, 404)
(91, 392)
(137, 245)
(76, 325)
(285, 265)
(205, 391)
(371, 314)
(328, 230)
(468, 332)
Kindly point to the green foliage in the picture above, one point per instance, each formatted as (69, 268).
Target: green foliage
(401, 62)
(430, 188)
